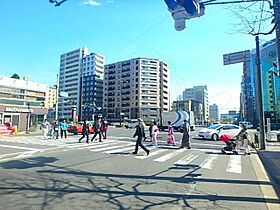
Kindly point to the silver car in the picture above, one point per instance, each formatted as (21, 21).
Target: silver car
(215, 131)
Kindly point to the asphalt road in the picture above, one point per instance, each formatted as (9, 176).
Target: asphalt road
(36, 173)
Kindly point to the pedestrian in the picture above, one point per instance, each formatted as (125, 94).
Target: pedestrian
(140, 133)
(63, 129)
(97, 130)
(85, 131)
(55, 130)
(45, 127)
(155, 132)
(186, 136)
(171, 138)
(243, 135)
(104, 128)
(150, 130)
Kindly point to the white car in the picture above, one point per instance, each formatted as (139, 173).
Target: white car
(131, 123)
(215, 131)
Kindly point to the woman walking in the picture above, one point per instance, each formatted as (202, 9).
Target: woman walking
(243, 135)
(186, 136)
(63, 129)
(171, 138)
(155, 132)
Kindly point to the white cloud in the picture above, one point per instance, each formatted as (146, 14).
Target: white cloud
(91, 3)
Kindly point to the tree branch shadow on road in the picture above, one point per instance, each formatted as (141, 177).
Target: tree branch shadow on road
(52, 184)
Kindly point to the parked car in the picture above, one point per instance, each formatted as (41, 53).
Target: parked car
(78, 128)
(215, 131)
(246, 123)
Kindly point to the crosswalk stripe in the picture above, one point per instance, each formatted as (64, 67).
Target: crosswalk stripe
(86, 145)
(186, 160)
(102, 144)
(234, 164)
(169, 155)
(119, 150)
(152, 154)
(209, 162)
(109, 148)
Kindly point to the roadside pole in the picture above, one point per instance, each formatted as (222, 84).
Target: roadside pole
(259, 94)
(276, 8)
(57, 95)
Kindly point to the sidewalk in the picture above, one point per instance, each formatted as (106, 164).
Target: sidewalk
(271, 161)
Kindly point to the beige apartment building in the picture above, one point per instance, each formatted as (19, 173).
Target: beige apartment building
(51, 97)
(136, 88)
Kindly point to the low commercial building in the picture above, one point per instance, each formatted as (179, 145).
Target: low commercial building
(21, 103)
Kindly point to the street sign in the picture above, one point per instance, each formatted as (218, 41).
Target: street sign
(237, 57)
(63, 94)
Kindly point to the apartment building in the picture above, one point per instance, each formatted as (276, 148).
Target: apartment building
(70, 82)
(51, 97)
(136, 88)
(214, 113)
(199, 94)
(92, 85)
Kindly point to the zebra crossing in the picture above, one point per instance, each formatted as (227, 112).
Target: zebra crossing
(206, 159)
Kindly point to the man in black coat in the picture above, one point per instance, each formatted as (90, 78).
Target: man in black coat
(85, 131)
(140, 133)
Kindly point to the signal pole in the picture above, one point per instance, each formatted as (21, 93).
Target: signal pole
(276, 8)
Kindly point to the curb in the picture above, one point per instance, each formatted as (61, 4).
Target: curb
(272, 175)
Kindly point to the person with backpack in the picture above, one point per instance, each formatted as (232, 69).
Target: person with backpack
(97, 130)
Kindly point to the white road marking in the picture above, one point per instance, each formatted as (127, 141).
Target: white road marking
(120, 150)
(18, 147)
(186, 160)
(234, 164)
(209, 162)
(169, 155)
(152, 153)
(109, 148)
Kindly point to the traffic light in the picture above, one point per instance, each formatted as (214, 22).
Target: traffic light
(182, 10)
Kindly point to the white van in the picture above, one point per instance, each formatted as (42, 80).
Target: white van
(246, 123)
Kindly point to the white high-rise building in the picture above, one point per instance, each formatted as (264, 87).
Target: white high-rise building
(70, 82)
(136, 88)
(199, 94)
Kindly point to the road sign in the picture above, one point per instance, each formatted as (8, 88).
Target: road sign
(237, 57)
(63, 94)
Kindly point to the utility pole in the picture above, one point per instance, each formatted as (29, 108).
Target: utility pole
(57, 95)
(260, 95)
(276, 8)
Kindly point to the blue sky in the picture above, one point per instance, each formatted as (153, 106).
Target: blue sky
(34, 34)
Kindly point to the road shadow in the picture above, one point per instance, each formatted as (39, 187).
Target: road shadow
(51, 185)
(28, 163)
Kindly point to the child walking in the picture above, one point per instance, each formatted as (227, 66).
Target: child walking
(171, 138)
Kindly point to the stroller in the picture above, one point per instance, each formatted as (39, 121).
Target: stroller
(229, 149)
